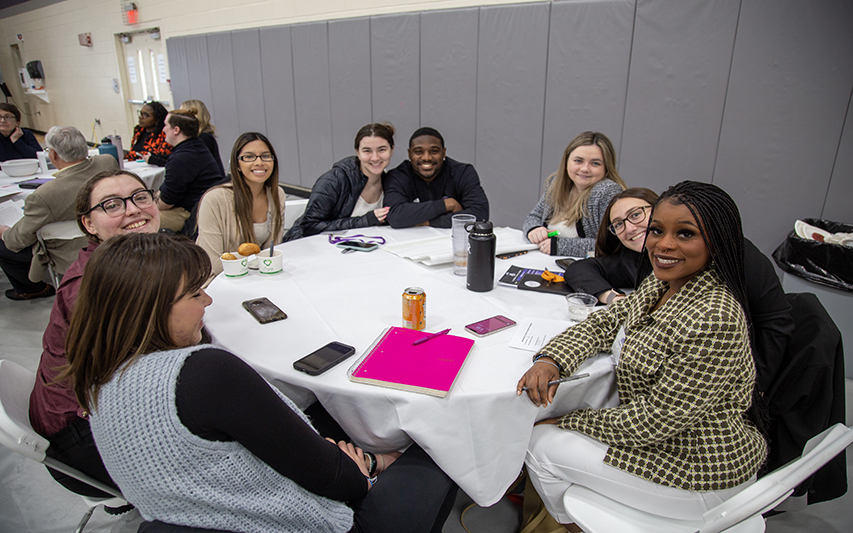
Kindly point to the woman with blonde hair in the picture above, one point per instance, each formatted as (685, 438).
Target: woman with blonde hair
(248, 209)
(566, 219)
(206, 130)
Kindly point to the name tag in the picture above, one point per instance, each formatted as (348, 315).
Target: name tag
(616, 349)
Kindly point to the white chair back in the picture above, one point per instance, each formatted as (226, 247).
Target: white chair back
(293, 209)
(596, 513)
(58, 231)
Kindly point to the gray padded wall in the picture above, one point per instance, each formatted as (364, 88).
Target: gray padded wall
(511, 66)
(676, 91)
(589, 53)
(788, 93)
(753, 95)
(279, 103)
(839, 199)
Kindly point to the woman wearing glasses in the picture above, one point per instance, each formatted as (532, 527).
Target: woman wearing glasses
(617, 265)
(568, 214)
(249, 209)
(108, 204)
(148, 136)
(350, 195)
(15, 142)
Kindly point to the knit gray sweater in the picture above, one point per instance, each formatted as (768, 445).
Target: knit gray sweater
(176, 477)
(601, 194)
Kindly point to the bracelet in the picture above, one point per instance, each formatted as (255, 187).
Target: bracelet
(612, 296)
(550, 363)
(371, 480)
(382, 458)
(371, 470)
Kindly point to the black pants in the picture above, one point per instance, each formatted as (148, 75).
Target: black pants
(16, 266)
(74, 446)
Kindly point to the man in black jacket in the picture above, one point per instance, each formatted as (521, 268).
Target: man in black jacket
(429, 188)
(190, 170)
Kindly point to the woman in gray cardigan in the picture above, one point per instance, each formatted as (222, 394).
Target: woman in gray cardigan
(566, 219)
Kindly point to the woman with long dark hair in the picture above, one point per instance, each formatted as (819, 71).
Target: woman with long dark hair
(148, 136)
(680, 440)
(248, 209)
(195, 437)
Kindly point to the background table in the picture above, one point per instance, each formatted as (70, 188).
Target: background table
(479, 433)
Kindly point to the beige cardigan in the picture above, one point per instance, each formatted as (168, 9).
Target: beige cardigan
(217, 224)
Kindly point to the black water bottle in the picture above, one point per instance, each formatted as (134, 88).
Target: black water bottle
(481, 256)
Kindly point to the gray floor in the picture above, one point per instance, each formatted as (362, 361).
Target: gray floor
(31, 501)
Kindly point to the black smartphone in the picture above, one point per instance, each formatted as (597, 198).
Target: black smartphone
(264, 310)
(323, 359)
(490, 325)
(358, 246)
(564, 263)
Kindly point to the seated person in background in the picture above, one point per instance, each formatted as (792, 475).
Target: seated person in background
(429, 188)
(350, 195)
(193, 436)
(577, 194)
(15, 142)
(190, 170)
(249, 209)
(680, 440)
(619, 263)
(206, 130)
(21, 257)
(110, 203)
(148, 136)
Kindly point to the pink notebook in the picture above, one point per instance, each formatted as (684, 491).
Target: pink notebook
(428, 368)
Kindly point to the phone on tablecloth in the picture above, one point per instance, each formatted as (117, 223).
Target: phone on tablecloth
(264, 310)
(358, 246)
(490, 325)
(323, 359)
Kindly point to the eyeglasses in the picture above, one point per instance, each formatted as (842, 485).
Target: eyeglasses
(249, 158)
(116, 207)
(143, 114)
(634, 216)
(8, 118)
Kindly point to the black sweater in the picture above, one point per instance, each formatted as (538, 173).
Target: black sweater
(414, 201)
(190, 171)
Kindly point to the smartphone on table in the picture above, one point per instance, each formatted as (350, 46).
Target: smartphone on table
(490, 325)
(264, 310)
(323, 359)
(358, 246)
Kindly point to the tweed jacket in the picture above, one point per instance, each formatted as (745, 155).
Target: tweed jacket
(599, 198)
(54, 202)
(685, 377)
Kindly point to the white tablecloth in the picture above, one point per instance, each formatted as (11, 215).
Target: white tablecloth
(478, 434)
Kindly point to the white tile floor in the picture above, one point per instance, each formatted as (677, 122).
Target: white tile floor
(30, 501)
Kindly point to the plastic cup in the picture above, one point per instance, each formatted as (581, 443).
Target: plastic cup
(267, 264)
(235, 268)
(581, 305)
(460, 243)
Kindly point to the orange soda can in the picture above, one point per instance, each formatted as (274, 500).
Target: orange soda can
(414, 308)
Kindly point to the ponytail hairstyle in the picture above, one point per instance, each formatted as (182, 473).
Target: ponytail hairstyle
(560, 185)
(185, 120)
(384, 130)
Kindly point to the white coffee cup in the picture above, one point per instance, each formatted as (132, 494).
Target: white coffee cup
(234, 268)
(267, 264)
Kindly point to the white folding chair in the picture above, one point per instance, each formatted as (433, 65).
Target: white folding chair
(16, 433)
(596, 513)
(59, 231)
(293, 209)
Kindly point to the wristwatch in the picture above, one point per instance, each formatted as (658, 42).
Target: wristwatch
(612, 295)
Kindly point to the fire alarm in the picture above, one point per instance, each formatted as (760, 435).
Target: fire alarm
(85, 39)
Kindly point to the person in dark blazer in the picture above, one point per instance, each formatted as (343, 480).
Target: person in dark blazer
(15, 142)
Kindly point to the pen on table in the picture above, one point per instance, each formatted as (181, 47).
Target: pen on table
(563, 380)
(428, 337)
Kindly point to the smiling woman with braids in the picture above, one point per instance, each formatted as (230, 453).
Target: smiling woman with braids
(680, 441)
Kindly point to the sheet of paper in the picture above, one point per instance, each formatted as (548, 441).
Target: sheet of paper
(11, 212)
(533, 333)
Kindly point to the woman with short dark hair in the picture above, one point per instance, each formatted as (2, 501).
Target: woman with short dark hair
(15, 142)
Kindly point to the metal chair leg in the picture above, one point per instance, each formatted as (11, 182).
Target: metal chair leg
(85, 520)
